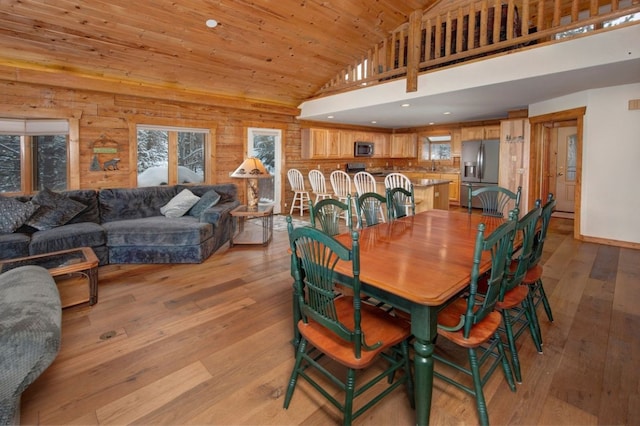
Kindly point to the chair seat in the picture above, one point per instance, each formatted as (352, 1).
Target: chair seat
(377, 326)
(480, 332)
(533, 275)
(513, 298)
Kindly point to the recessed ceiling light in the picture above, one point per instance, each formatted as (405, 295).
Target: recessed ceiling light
(446, 112)
(212, 23)
(432, 123)
(374, 122)
(405, 105)
(329, 116)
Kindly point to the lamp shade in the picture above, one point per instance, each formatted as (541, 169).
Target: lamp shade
(251, 168)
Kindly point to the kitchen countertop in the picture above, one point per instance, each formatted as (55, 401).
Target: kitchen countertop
(419, 182)
(429, 182)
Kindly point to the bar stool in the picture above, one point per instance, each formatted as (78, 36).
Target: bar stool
(364, 183)
(318, 185)
(341, 184)
(300, 194)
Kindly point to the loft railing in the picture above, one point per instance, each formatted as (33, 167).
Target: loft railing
(444, 38)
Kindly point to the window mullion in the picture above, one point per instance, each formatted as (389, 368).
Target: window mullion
(173, 158)
(27, 166)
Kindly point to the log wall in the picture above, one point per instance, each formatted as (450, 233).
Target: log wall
(113, 116)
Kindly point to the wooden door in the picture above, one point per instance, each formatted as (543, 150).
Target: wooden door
(565, 168)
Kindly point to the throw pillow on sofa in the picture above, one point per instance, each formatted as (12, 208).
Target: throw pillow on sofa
(13, 214)
(55, 210)
(180, 204)
(208, 199)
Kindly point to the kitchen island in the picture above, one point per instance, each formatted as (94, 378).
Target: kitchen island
(429, 193)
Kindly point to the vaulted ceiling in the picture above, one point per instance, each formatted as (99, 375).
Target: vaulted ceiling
(273, 51)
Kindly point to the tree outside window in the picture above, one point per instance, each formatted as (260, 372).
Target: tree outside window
(160, 148)
(436, 147)
(33, 155)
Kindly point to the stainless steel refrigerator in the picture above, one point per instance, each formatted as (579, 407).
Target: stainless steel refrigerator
(479, 166)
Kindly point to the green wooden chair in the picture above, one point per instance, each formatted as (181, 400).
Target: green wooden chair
(400, 202)
(495, 200)
(326, 214)
(533, 278)
(472, 323)
(370, 211)
(515, 303)
(340, 328)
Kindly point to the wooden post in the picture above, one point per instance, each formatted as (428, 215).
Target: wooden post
(413, 51)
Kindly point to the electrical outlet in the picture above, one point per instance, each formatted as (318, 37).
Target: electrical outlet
(514, 158)
(338, 166)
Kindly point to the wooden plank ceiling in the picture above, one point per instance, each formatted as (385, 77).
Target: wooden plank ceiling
(275, 51)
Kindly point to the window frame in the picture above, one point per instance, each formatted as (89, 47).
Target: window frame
(26, 161)
(435, 139)
(172, 162)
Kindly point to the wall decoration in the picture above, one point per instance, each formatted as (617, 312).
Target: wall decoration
(105, 155)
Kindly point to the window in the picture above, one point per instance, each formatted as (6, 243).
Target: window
(436, 147)
(170, 155)
(33, 154)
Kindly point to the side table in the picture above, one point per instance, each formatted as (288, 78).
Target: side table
(258, 234)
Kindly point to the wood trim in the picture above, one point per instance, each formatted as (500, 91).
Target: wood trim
(172, 161)
(73, 147)
(610, 242)
(538, 155)
(133, 153)
(73, 154)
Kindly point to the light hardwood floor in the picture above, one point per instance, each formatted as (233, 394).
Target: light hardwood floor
(209, 344)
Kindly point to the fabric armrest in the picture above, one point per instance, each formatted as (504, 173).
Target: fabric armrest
(213, 214)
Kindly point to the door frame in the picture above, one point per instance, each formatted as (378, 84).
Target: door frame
(277, 185)
(539, 158)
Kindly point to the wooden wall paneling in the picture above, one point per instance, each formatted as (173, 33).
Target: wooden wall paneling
(115, 116)
(514, 158)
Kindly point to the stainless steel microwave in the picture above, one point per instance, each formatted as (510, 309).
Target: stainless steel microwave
(362, 149)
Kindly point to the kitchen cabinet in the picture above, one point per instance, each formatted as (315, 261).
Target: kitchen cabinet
(479, 133)
(454, 186)
(456, 143)
(324, 143)
(381, 145)
(404, 145)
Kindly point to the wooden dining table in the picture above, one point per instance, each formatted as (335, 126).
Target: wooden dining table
(417, 264)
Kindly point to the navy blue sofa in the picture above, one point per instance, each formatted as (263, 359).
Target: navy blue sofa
(125, 225)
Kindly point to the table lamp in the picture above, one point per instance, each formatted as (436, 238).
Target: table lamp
(251, 169)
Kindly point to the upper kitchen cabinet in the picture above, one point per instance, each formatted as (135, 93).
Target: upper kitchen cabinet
(381, 144)
(456, 142)
(324, 143)
(404, 145)
(479, 133)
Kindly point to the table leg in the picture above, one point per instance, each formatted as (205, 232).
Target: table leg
(424, 328)
(93, 286)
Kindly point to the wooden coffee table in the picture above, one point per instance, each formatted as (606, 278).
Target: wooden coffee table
(79, 261)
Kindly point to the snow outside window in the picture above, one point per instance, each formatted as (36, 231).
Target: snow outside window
(162, 148)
